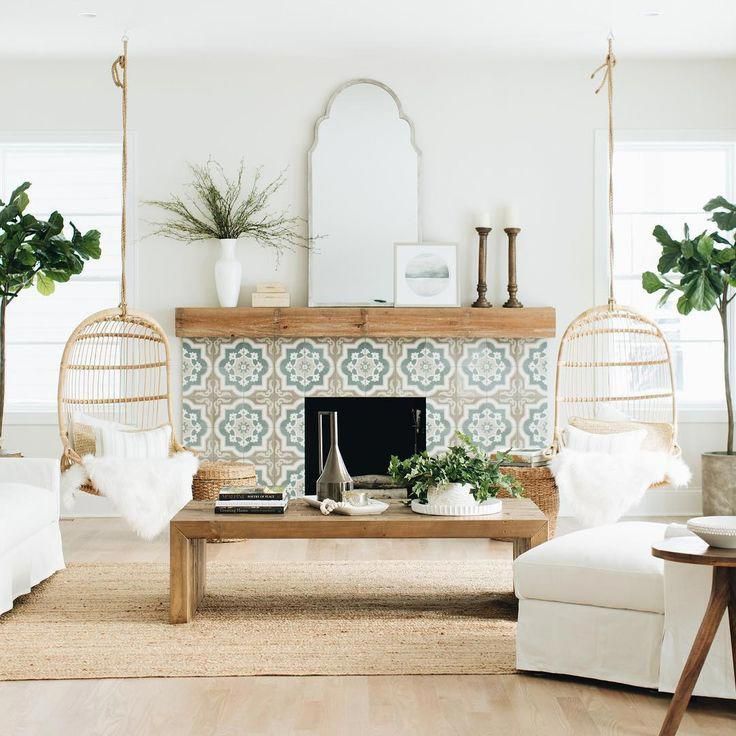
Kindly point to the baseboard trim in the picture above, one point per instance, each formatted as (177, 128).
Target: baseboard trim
(86, 506)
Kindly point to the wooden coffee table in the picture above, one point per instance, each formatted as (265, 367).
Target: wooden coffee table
(519, 520)
(695, 551)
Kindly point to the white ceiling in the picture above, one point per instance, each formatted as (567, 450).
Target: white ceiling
(534, 28)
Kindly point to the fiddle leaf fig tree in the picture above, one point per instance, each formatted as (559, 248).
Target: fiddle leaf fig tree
(701, 271)
(35, 252)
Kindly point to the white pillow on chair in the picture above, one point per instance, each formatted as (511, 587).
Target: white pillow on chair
(82, 431)
(612, 443)
(659, 436)
(147, 443)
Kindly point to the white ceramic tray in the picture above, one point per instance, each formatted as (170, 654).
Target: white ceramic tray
(374, 507)
(487, 508)
(717, 531)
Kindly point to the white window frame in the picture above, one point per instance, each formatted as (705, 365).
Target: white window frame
(30, 417)
(690, 413)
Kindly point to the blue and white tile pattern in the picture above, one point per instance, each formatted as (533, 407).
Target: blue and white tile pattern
(244, 399)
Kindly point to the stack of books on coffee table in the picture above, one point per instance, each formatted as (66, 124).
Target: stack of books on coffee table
(256, 500)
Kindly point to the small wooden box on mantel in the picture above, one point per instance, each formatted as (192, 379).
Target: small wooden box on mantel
(356, 322)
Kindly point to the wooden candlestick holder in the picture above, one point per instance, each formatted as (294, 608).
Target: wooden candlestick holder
(512, 302)
(481, 301)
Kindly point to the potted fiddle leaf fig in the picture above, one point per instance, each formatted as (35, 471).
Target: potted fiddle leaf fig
(701, 271)
(35, 252)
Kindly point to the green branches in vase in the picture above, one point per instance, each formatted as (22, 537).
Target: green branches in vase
(218, 207)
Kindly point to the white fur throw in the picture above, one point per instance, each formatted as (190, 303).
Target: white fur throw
(599, 488)
(146, 492)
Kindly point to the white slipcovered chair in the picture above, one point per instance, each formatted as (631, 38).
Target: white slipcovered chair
(30, 539)
(596, 603)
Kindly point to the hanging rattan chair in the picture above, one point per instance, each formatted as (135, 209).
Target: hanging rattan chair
(614, 366)
(116, 364)
(115, 367)
(614, 361)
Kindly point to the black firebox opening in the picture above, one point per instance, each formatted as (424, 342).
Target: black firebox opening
(370, 430)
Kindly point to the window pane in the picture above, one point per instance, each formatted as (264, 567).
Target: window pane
(699, 373)
(637, 250)
(82, 181)
(696, 326)
(33, 317)
(667, 184)
(32, 376)
(68, 178)
(668, 179)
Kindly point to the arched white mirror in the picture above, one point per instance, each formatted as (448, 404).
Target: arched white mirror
(363, 171)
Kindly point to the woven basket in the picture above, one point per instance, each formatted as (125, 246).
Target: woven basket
(213, 475)
(539, 486)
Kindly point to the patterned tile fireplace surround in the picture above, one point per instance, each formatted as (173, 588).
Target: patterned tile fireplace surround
(244, 398)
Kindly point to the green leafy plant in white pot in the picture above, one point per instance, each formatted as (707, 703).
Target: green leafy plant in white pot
(462, 476)
(217, 207)
(701, 271)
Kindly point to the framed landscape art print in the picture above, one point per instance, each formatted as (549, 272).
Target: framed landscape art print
(425, 275)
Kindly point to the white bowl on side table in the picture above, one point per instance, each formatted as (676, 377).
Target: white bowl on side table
(717, 531)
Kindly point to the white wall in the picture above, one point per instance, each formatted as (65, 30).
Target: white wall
(492, 132)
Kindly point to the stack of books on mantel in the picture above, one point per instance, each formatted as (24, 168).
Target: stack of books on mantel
(271, 294)
(256, 500)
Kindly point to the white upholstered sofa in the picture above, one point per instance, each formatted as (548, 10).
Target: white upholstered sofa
(596, 603)
(30, 540)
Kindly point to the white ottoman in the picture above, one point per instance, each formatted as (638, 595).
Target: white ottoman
(591, 604)
(596, 603)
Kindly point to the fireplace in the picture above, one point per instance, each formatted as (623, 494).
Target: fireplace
(245, 398)
(371, 429)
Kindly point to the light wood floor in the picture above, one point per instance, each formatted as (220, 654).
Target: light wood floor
(511, 705)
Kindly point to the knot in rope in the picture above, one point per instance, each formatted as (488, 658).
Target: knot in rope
(608, 64)
(118, 69)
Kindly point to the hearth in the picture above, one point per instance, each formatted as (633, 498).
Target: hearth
(371, 429)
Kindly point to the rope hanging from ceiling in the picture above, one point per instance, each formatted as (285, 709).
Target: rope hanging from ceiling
(116, 363)
(613, 360)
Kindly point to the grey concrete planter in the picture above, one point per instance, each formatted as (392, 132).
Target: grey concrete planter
(719, 484)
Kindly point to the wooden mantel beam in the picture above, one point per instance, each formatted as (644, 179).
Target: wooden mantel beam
(291, 322)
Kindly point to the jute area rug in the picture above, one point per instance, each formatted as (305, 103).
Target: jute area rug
(258, 618)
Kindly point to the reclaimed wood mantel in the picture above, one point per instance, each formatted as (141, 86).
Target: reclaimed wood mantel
(355, 322)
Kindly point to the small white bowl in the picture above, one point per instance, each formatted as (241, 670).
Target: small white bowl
(717, 531)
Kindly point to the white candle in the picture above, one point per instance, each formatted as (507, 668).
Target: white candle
(483, 218)
(511, 216)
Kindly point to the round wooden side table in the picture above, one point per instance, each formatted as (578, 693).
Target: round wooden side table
(695, 551)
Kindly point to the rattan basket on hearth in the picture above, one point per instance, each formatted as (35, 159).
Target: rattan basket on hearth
(214, 474)
(539, 486)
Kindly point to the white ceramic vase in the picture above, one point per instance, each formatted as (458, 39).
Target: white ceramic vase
(451, 494)
(228, 274)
